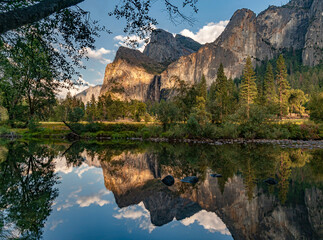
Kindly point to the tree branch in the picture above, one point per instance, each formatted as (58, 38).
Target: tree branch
(14, 19)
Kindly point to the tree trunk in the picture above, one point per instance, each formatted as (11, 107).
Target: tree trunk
(19, 17)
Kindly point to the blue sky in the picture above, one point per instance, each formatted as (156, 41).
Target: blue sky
(210, 21)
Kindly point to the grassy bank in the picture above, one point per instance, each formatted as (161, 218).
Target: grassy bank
(191, 130)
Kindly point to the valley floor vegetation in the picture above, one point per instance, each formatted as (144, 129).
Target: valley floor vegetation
(260, 105)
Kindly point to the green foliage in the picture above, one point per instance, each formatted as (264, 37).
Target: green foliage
(248, 88)
(193, 126)
(167, 113)
(296, 101)
(282, 85)
(76, 114)
(33, 125)
(270, 94)
(315, 106)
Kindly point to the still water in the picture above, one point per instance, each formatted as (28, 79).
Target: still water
(113, 190)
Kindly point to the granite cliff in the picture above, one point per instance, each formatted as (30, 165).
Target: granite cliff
(146, 76)
(86, 95)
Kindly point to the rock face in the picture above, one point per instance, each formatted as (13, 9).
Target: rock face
(294, 26)
(132, 76)
(165, 48)
(86, 95)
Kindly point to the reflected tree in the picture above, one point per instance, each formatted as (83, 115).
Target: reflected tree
(27, 190)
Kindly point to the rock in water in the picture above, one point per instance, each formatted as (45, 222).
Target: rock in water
(271, 181)
(192, 180)
(215, 175)
(168, 180)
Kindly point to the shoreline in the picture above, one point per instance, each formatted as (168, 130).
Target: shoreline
(284, 143)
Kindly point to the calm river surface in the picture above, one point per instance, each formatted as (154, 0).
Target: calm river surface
(113, 190)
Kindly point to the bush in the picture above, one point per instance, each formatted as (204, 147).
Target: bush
(193, 127)
(309, 131)
(178, 131)
(209, 131)
(228, 130)
(33, 125)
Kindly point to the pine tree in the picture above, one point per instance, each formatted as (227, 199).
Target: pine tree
(269, 85)
(282, 85)
(222, 92)
(201, 88)
(211, 102)
(248, 89)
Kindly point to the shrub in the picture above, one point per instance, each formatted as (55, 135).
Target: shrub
(229, 130)
(209, 131)
(309, 131)
(192, 127)
(178, 131)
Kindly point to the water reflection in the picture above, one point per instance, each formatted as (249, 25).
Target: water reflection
(240, 203)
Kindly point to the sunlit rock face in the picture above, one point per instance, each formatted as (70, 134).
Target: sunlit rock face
(297, 25)
(294, 26)
(131, 76)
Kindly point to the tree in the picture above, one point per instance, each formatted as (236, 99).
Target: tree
(15, 14)
(91, 109)
(224, 94)
(315, 106)
(211, 102)
(248, 88)
(269, 85)
(167, 113)
(199, 111)
(296, 101)
(282, 85)
(202, 88)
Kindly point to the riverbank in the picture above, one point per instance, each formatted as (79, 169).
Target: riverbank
(286, 135)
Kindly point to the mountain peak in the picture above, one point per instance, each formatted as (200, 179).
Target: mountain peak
(165, 48)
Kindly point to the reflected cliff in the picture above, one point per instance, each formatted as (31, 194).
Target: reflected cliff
(248, 207)
(239, 203)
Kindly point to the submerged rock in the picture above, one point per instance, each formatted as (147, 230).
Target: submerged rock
(271, 181)
(168, 180)
(215, 175)
(191, 179)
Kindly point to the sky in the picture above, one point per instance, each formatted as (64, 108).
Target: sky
(210, 21)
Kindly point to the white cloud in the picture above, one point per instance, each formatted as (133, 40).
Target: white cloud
(122, 41)
(208, 33)
(75, 89)
(209, 220)
(98, 54)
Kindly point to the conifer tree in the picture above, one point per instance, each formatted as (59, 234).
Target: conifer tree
(211, 102)
(222, 93)
(282, 85)
(269, 85)
(248, 89)
(201, 88)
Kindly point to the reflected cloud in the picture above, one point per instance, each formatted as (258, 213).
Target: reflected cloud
(86, 201)
(62, 166)
(82, 169)
(209, 220)
(55, 224)
(138, 213)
